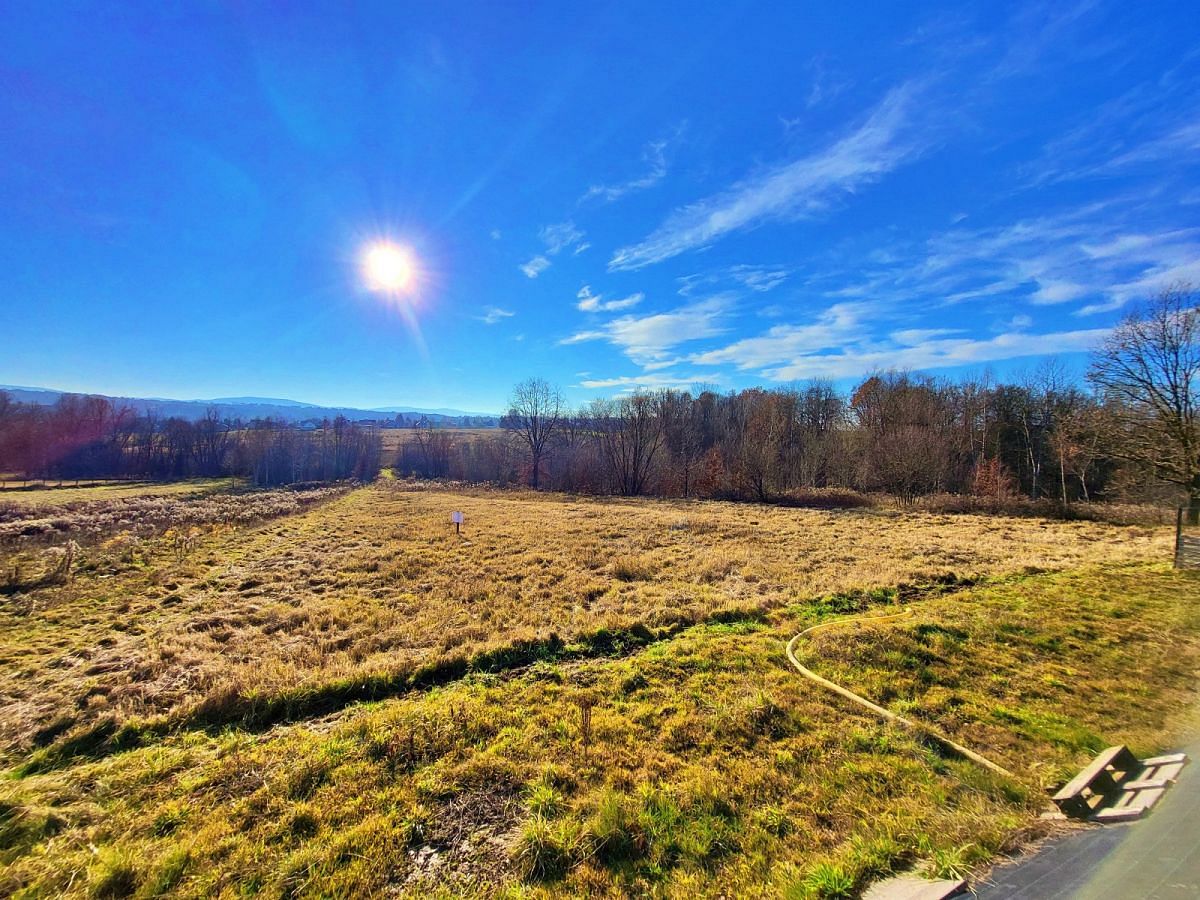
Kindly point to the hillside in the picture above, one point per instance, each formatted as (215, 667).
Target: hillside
(335, 694)
(247, 408)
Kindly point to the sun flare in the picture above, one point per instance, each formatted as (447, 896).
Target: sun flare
(387, 267)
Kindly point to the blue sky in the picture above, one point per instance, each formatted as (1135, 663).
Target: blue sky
(608, 195)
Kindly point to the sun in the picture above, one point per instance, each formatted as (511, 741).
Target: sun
(387, 267)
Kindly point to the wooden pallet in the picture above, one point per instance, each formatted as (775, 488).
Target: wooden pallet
(1118, 787)
(1138, 795)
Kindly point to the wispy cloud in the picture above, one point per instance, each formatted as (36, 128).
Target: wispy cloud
(793, 190)
(758, 279)
(556, 238)
(589, 302)
(1101, 255)
(647, 339)
(559, 237)
(654, 156)
(630, 383)
(836, 326)
(824, 86)
(493, 314)
(1154, 125)
(535, 266)
(938, 353)
(1038, 32)
(835, 344)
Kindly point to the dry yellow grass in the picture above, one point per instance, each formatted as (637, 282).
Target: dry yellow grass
(376, 582)
(711, 769)
(395, 438)
(70, 495)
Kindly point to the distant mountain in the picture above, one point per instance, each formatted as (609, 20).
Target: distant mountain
(439, 411)
(247, 408)
(257, 401)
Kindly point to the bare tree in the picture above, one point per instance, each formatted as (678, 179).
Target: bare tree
(1150, 364)
(1080, 440)
(761, 442)
(436, 446)
(682, 439)
(905, 434)
(534, 414)
(631, 433)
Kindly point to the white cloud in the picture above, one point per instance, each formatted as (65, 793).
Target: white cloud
(759, 278)
(1102, 148)
(755, 278)
(655, 157)
(838, 325)
(792, 190)
(1038, 32)
(535, 266)
(914, 337)
(661, 364)
(559, 237)
(1052, 290)
(631, 383)
(646, 339)
(581, 337)
(1150, 282)
(624, 303)
(493, 314)
(1155, 123)
(823, 88)
(935, 354)
(496, 235)
(1019, 322)
(836, 345)
(589, 302)
(1094, 253)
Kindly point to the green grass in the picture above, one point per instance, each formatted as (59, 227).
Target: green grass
(713, 768)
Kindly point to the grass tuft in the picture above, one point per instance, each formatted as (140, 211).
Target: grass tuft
(113, 875)
(547, 850)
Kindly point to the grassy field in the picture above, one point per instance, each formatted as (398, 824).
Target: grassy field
(352, 700)
(51, 494)
(395, 438)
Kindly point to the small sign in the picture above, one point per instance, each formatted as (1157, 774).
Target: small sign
(456, 517)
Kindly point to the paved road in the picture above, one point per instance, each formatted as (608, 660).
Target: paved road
(1157, 858)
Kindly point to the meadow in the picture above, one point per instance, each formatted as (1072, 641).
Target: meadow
(344, 697)
(395, 438)
(26, 495)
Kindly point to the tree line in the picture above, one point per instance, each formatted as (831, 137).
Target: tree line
(87, 438)
(1130, 432)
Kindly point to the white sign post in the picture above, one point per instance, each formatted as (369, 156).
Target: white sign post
(457, 518)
